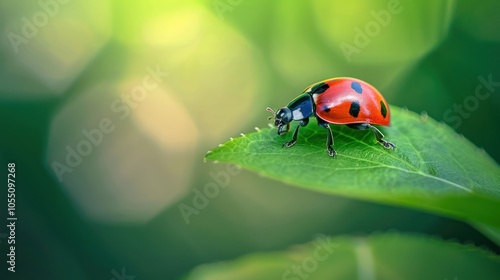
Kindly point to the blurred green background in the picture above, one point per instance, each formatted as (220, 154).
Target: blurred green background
(108, 108)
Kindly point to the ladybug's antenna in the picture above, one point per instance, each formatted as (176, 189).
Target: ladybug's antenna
(272, 112)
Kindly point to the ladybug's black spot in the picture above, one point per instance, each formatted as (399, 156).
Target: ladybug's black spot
(354, 110)
(383, 109)
(356, 87)
(319, 88)
(326, 109)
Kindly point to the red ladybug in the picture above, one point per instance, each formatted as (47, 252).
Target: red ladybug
(348, 101)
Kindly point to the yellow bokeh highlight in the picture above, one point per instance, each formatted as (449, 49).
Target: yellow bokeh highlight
(179, 29)
(165, 119)
(130, 158)
(212, 68)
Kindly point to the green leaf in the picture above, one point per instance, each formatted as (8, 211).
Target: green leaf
(432, 169)
(382, 256)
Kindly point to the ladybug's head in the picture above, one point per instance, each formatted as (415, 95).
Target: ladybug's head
(282, 119)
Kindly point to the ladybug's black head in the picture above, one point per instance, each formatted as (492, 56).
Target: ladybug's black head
(282, 119)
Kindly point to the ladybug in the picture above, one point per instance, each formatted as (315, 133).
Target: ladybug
(344, 101)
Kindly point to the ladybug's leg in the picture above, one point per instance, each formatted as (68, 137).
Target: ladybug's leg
(378, 135)
(329, 137)
(290, 143)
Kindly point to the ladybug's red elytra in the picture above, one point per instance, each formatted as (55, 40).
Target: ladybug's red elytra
(346, 101)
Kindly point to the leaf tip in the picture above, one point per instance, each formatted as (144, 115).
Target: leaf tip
(205, 159)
